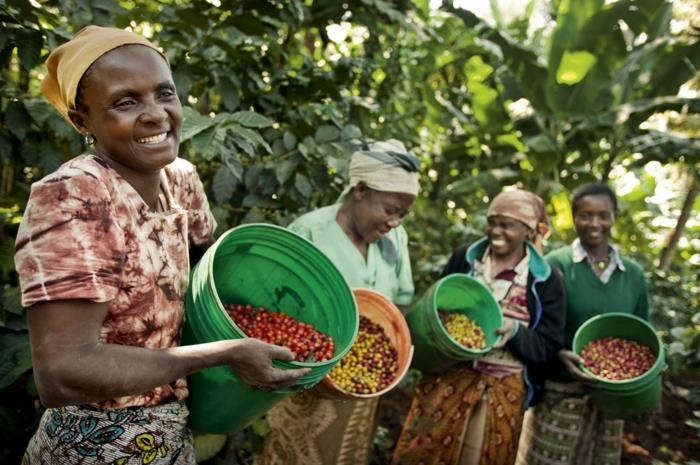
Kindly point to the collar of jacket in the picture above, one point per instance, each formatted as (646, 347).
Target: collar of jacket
(539, 267)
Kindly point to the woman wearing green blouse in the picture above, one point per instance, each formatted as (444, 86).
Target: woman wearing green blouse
(362, 235)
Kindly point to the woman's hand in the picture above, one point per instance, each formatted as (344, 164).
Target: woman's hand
(506, 331)
(251, 359)
(573, 362)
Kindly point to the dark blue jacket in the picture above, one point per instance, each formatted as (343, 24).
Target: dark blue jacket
(537, 344)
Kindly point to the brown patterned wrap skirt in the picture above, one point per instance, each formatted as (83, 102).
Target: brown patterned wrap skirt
(461, 417)
(310, 430)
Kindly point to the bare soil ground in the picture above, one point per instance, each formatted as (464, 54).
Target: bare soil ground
(664, 436)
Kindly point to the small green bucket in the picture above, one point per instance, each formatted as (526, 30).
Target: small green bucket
(269, 266)
(631, 397)
(435, 350)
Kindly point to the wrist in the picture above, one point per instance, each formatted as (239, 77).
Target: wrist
(229, 352)
(208, 354)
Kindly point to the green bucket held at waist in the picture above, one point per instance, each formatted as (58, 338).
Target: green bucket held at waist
(269, 266)
(631, 397)
(435, 350)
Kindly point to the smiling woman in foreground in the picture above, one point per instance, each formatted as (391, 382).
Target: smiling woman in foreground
(102, 257)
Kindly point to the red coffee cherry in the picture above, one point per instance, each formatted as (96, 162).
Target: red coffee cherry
(617, 359)
(304, 340)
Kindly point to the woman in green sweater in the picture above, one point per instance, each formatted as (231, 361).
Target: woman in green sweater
(566, 428)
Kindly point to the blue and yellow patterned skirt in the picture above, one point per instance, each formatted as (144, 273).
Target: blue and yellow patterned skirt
(90, 435)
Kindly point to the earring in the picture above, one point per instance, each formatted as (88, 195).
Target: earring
(89, 139)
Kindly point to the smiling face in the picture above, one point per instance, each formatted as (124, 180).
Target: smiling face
(506, 235)
(129, 104)
(375, 213)
(594, 218)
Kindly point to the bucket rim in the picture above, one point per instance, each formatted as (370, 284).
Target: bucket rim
(660, 358)
(278, 363)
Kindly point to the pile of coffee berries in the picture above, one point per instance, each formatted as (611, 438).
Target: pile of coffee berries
(463, 329)
(306, 342)
(617, 359)
(370, 365)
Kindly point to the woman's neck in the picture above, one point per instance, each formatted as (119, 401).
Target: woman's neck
(345, 219)
(147, 185)
(598, 251)
(500, 263)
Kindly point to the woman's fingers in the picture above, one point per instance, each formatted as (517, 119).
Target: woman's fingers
(281, 353)
(573, 362)
(505, 331)
(279, 379)
(254, 365)
(286, 378)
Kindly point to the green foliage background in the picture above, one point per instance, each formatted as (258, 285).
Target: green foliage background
(275, 104)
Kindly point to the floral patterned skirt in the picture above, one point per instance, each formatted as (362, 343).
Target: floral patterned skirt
(440, 427)
(90, 435)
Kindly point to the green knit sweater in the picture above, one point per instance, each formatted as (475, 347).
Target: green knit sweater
(587, 296)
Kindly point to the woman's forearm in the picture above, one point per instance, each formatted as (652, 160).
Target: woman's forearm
(96, 372)
(72, 366)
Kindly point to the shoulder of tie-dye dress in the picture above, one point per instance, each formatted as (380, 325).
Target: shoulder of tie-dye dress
(188, 192)
(69, 216)
(183, 180)
(82, 165)
(83, 180)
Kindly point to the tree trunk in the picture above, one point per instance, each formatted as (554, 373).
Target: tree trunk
(674, 236)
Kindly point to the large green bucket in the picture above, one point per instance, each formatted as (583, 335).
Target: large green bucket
(435, 350)
(628, 398)
(269, 266)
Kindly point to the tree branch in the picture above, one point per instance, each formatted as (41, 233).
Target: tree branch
(675, 234)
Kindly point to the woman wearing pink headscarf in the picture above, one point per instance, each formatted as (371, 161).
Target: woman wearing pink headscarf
(473, 413)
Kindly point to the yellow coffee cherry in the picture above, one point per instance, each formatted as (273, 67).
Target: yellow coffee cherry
(370, 365)
(463, 329)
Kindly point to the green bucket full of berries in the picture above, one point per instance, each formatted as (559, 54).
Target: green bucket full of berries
(264, 282)
(454, 321)
(626, 357)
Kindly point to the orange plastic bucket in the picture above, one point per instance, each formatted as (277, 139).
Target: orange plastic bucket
(382, 311)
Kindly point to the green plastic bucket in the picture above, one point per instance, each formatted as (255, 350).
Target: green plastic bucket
(435, 350)
(269, 266)
(631, 397)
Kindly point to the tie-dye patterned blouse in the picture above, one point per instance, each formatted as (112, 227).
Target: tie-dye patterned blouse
(87, 234)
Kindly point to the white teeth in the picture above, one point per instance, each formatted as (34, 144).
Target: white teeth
(497, 242)
(153, 139)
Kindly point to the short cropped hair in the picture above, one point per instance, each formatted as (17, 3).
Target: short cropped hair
(593, 188)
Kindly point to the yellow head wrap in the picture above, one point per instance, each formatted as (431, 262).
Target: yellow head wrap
(67, 63)
(386, 166)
